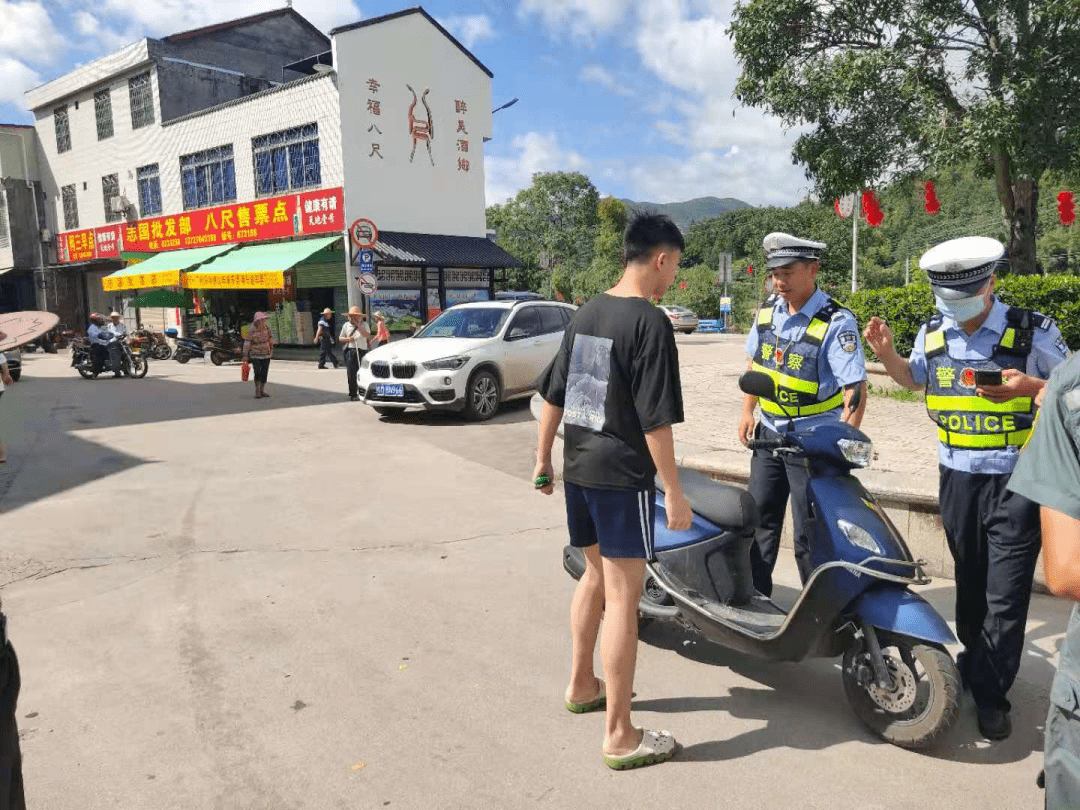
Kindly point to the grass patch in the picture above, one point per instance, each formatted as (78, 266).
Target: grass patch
(900, 394)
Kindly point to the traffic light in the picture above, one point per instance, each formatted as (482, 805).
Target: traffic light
(1066, 211)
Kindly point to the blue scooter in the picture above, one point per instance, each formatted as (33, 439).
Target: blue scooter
(189, 347)
(898, 677)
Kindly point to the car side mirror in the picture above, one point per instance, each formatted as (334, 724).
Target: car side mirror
(757, 384)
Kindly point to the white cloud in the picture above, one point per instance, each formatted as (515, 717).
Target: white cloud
(536, 152)
(469, 30)
(27, 32)
(15, 79)
(163, 17)
(597, 74)
(579, 18)
(99, 38)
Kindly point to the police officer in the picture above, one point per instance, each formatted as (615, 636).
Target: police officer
(1053, 446)
(982, 423)
(810, 346)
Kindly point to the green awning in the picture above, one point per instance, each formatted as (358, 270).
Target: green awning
(162, 270)
(162, 298)
(255, 267)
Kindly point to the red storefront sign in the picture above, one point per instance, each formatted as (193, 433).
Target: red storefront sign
(311, 212)
(85, 245)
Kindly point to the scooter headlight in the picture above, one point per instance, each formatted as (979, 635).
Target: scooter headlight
(856, 452)
(858, 536)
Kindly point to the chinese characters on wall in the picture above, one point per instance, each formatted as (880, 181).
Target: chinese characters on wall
(461, 108)
(374, 109)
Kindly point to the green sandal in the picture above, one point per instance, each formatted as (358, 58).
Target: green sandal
(599, 702)
(655, 747)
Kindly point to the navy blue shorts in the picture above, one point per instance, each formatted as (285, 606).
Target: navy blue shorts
(620, 520)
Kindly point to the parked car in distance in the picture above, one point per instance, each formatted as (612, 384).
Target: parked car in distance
(14, 363)
(518, 295)
(470, 358)
(682, 319)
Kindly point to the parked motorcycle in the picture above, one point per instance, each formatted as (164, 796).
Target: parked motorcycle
(898, 677)
(134, 360)
(186, 347)
(159, 346)
(225, 346)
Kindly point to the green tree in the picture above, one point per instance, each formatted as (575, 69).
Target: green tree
(607, 262)
(896, 87)
(549, 226)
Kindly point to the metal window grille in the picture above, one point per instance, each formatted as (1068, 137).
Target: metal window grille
(208, 177)
(63, 129)
(149, 189)
(142, 100)
(5, 238)
(71, 208)
(103, 113)
(287, 160)
(110, 190)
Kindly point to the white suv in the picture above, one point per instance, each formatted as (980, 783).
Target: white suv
(470, 358)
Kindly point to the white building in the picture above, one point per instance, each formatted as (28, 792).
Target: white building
(192, 131)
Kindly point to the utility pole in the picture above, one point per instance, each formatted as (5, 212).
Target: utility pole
(907, 270)
(854, 245)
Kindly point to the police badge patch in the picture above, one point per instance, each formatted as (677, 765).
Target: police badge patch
(849, 341)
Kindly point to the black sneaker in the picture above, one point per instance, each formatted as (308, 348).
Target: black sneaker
(355, 399)
(994, 723)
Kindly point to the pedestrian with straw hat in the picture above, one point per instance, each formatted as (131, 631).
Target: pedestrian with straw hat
(354, 339)
(325, 338)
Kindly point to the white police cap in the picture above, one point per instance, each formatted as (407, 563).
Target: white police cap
(962, 265)
(782, 249)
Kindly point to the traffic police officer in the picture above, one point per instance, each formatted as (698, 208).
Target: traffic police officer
(982, 423)
(1053, 446)
(810, 346)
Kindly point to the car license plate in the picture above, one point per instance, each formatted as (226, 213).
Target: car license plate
(383, 390)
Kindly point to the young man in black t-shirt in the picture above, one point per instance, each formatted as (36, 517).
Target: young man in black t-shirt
(615, 383)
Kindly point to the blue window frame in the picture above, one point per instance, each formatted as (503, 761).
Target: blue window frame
(149, 189)
(287, 160)
(208, 177)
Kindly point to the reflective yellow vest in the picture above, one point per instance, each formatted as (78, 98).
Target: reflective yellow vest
(794, 368)
(968, 421)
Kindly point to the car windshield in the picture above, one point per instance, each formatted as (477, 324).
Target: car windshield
(471, 322)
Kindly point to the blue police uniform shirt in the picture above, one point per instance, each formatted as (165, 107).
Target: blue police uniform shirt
(1048, 349)
(840, 363)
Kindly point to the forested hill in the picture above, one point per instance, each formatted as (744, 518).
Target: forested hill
(686, 213)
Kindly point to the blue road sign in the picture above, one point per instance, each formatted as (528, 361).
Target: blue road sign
(367, 261)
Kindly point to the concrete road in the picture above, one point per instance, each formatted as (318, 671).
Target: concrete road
(235, 604)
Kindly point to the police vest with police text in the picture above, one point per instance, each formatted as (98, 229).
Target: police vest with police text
(968, 421)
(794, 366)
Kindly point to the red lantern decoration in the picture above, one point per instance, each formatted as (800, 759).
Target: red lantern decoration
(1065, 208)
(871, 210)
(682, 285)
(750, 269)
(932, 204)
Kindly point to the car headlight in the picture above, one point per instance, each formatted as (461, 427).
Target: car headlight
(365, 363)
(856, 452)
(858, 536)
(446, 363)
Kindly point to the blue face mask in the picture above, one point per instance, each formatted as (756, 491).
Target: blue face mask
(961, 310)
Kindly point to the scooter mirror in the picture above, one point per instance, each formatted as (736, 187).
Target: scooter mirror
(757, 384)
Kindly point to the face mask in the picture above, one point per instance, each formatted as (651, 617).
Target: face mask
(961, 310)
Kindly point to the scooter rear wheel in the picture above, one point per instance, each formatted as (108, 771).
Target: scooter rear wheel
(181, 356)
(924, 701)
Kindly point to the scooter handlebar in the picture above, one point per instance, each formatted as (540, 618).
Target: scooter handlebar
(765, 444)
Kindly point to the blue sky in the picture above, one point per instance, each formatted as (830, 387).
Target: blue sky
(637, 94)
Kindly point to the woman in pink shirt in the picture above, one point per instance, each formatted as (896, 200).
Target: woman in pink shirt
(259, 347)
(382, 334)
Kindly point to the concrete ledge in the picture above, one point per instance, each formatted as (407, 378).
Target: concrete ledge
(914, 511)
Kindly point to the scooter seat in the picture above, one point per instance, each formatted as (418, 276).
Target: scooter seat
(724, 504)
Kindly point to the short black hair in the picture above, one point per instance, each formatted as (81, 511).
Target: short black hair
(646, 233)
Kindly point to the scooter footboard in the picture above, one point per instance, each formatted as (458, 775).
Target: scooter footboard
(898, 610)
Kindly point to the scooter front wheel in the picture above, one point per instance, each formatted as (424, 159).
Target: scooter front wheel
(923, 701)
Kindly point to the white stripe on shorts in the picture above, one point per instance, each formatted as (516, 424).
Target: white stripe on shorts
(646, 524)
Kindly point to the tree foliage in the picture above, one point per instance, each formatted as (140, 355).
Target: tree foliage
(550, 227)
(897, 88)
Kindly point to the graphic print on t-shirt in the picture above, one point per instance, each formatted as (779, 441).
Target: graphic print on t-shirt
(587, 382)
